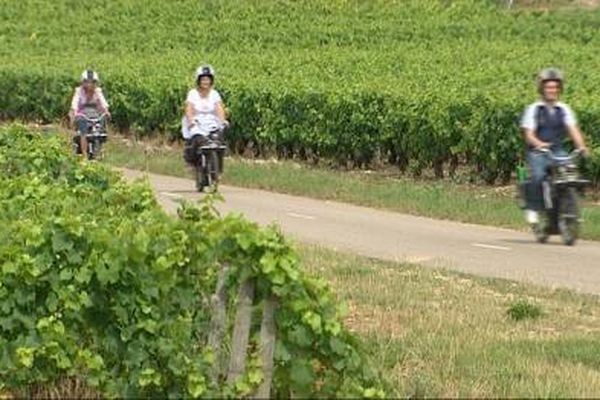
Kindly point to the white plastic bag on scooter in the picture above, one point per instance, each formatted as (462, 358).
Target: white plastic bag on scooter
(199, 127)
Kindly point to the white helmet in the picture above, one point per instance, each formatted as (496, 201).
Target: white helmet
(89, 75)
(205, 70)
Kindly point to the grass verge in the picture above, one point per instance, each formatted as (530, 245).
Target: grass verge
(551, 4)
(443, 334)
(437, 199)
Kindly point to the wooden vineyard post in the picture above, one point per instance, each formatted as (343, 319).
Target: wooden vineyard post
(218, 322)
(268, 332)
(241, 331)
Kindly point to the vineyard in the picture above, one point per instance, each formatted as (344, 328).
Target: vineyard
(416, 84)
(100, 288)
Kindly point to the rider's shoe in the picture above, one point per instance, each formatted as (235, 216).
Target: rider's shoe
(532, 217)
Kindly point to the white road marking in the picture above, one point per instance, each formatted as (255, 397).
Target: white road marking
(490, 246)
(303, 216)
(173, 195)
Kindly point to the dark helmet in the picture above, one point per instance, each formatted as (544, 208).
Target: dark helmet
(205, 70)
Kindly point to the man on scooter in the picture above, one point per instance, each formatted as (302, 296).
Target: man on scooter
(545, 124)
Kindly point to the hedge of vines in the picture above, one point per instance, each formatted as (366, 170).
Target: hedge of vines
(418, 83)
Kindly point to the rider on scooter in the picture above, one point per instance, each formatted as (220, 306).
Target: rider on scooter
(545, 124)
(204, 112)
(88, 96)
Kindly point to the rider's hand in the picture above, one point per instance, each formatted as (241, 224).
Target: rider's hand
(107, 115)
(585, 152)
(542, 145)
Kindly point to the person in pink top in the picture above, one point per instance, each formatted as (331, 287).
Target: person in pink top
(88, 101)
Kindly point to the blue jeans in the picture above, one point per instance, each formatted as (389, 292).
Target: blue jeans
(538, 165)
(81, 124)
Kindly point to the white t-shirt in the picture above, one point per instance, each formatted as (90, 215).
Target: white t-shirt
(205, 113)
(528, 120)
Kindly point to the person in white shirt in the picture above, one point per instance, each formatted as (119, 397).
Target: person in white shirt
(88, 97)
(545, 124)
(204, 112)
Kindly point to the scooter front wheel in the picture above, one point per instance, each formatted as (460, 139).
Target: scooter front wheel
(540, 229)
(200, 175)
(568, 220)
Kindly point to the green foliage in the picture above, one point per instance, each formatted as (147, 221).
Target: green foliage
(97, 282)
(417, 83)
(523, 309)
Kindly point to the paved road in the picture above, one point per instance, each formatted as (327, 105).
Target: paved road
(473, 249)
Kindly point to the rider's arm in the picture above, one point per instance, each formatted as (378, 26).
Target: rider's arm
(529, 127)
(532, 140)
(573, 129)
(102, 101)
(220, 110)
(189, 113)
(577, 137)
(74, 105)
(219, 106)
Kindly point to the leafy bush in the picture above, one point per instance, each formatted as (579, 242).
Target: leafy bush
(523, 309)
(98, 284)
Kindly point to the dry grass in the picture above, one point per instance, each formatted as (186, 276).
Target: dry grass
(443, 334)
(64, 388)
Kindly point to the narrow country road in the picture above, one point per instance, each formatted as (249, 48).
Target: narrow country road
(474, 249)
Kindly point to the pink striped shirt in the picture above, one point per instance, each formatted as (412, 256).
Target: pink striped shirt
(81, 101)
